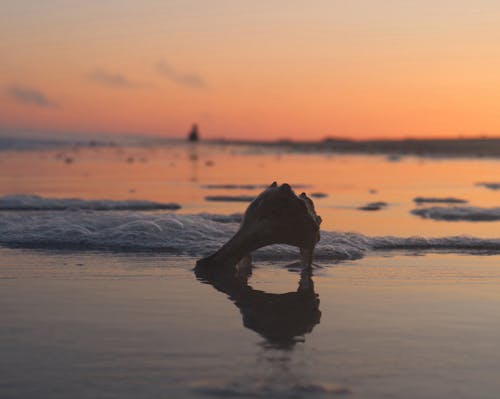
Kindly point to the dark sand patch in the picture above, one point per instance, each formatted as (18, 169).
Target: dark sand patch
(443, 200)
(230, 198)
(319, 195)
(491, 186)
(246, 186)
(373, 206)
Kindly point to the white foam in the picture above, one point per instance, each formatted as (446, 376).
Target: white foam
(36, 203)
(456, 213)
(194, 235)
(232, 218)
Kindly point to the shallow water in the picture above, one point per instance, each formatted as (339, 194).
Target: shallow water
(182, 174)
(87, 325)
(109, 304)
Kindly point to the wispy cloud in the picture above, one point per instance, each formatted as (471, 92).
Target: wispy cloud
(111, 79)
(182, 78)
(29, 95)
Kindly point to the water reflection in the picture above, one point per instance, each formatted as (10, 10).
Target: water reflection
(192, 154)
(282, 319)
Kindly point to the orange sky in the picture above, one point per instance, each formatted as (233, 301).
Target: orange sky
(283, 69)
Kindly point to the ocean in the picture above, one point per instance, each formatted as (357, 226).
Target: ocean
(99, 298)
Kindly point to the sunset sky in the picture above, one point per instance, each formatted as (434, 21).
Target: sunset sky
(252, 70)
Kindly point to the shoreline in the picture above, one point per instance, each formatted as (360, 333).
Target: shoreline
(479, 147)
(460, 148)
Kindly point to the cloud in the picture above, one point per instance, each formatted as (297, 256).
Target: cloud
(182, 78)
(110, 79)
(28, 95)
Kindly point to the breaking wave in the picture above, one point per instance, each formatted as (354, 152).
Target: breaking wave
(193, 235)
(457, 213)
(36, 203)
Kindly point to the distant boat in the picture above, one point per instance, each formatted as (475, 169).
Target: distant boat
(193, 134)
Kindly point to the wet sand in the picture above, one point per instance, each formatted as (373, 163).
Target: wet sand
(86, 325)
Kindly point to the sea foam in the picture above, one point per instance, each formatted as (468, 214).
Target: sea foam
(193, 235)
(457, 213)
(36, 203)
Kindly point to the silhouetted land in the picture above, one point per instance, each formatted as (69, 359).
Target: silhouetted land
(473, 147)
